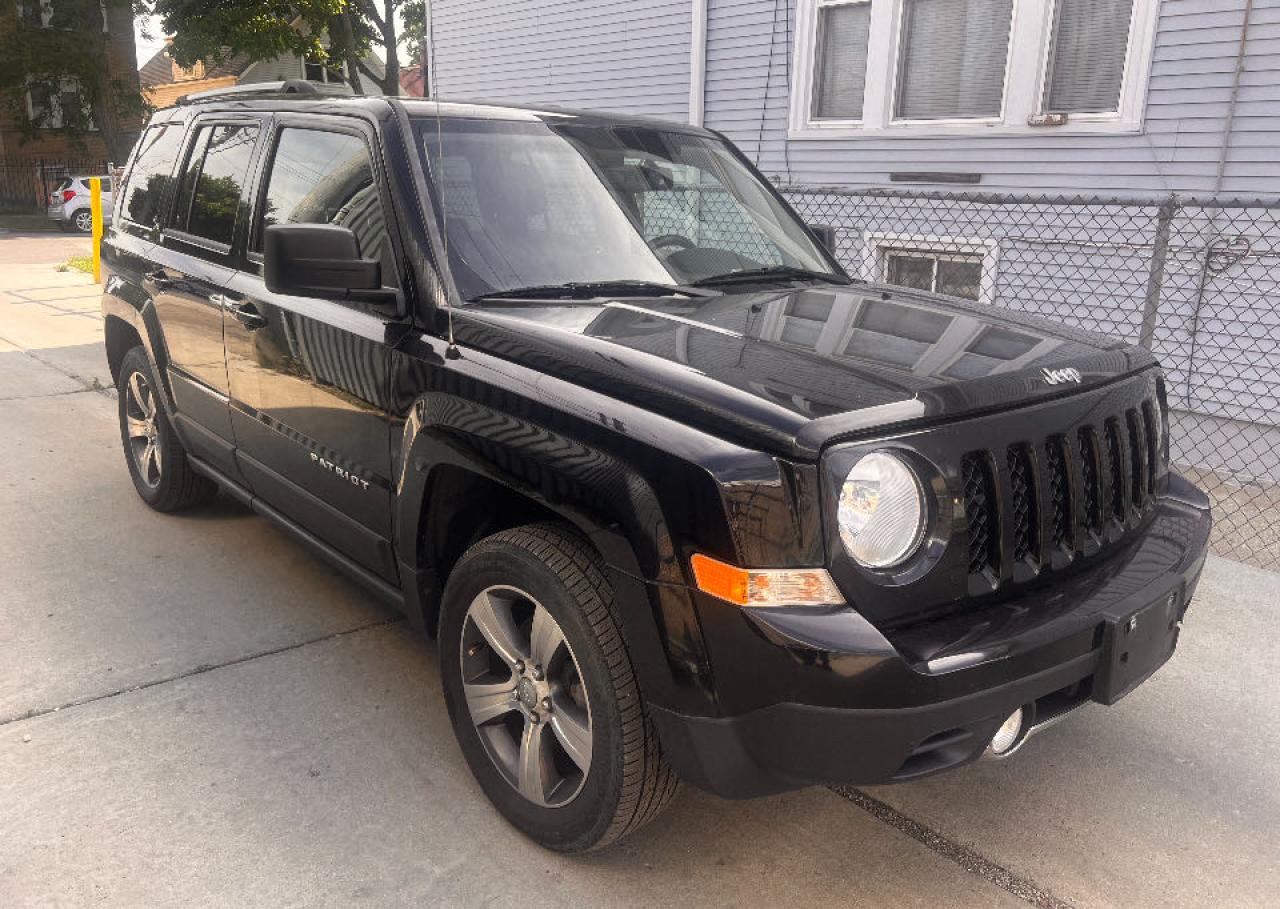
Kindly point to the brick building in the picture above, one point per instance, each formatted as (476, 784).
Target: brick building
(36, 145)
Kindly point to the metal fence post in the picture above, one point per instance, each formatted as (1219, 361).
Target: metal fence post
(1155, 278)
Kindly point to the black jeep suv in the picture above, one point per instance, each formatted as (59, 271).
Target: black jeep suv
(584, 398)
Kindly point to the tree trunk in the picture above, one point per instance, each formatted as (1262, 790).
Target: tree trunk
(118, 124)
(340, 31)
(391, 76)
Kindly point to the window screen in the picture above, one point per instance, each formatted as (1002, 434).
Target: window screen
(151, 179)
(956, 275)
(842, 61)
(952, 60)
(214, 180)
(327, 178)
(1086, 63)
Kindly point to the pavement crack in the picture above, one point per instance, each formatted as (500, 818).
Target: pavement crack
(967, 858)
(198, 670)
(89, 384)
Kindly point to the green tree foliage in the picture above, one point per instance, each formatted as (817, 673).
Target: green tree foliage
(56, 54)
(209, 31)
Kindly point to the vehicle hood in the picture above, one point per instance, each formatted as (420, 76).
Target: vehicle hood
(792, 370)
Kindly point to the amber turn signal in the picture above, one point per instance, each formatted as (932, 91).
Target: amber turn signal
(764, 586)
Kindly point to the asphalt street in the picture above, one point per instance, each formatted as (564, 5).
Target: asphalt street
(195, 711)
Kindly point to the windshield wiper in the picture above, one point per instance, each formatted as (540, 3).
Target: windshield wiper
(589, 290)
(768, 272)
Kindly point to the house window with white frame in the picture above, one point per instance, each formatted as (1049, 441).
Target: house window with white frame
(58, 103)
(958, 266)
(52, 14)
(957, 274)
(316, 70)
(918, 67)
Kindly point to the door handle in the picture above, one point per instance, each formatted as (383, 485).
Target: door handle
(247, 315)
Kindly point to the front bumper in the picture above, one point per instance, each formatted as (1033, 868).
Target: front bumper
(858, 706)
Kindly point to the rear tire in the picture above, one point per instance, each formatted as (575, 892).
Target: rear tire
(83, 221)
(584, 700)
(157, 461)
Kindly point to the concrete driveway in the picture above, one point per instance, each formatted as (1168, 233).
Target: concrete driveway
(194, 711)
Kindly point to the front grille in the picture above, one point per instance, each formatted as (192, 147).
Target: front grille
(1115, 469)
(1153, 441)
(1091, 480)
(1055, 461)
(1025, 515)
(1045, 502)
(980, 512)
(1137, 459)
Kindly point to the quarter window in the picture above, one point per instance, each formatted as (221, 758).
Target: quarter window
(328, 178)
(151, 178)
(213, 181)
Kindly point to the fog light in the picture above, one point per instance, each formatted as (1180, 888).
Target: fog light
(1008, 735)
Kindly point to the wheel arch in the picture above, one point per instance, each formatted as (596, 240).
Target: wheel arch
(457, 485)
(129, 320)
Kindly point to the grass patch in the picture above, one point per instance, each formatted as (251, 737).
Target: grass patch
(78, 263)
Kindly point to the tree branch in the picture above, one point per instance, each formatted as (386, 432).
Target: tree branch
(368, 9)
(364, 68)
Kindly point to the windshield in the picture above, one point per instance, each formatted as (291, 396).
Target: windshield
(539, 204)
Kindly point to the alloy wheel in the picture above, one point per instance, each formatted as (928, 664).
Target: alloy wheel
(141, 416)
(84, 221)
(524, 690)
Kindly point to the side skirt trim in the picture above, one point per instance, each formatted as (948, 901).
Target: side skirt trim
(375, 584)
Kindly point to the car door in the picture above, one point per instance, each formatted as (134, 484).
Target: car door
(192, 268)
(310, 378)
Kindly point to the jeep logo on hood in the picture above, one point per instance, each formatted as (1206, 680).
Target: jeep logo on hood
(1059, 376)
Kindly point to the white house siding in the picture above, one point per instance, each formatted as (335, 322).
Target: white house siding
(629, 56)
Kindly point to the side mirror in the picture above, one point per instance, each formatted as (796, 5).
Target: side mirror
(824, 234)
(317, 260)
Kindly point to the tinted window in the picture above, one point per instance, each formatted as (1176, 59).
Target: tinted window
(151, 178)
(327, 178)
(214, 180)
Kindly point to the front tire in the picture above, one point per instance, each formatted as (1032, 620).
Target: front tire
(542, 694)
(157, 461)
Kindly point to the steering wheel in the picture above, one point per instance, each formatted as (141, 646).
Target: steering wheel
(675, 240)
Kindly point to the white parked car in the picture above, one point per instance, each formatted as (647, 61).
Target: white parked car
(69, 203)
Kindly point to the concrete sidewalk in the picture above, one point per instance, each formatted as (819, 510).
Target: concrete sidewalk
(194, 711)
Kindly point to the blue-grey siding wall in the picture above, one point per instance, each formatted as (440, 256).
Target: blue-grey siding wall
(630, 56)
(750, 44)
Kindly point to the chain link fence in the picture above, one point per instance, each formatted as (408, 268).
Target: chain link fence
(1196, 280)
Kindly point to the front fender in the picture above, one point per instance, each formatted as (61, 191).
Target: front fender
(606, 499)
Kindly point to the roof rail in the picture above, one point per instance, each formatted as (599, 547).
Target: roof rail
(288, 87)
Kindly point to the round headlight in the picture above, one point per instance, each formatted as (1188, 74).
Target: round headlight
(881, 512)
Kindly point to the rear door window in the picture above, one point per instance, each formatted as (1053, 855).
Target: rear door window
(213, 181)
(150, 182)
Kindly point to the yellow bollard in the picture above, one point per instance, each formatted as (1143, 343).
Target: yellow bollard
(95, 206)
